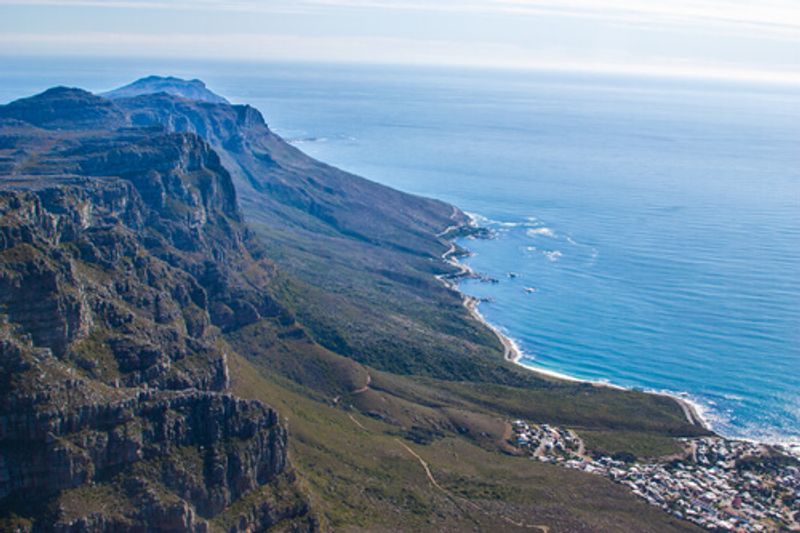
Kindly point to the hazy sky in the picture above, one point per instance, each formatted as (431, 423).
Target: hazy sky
(718, 38)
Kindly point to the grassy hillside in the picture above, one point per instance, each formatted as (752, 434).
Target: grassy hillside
(359, 438)
(325, 306)
(424, 455)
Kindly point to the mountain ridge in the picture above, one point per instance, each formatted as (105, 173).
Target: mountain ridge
(175, 275)
(112, 309)
(190, 89)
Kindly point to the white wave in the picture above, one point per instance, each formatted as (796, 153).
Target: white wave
(486, 221)
(708, 417)
(553, 255)
(544, 232)
(479, 219)
(702, 409)
(789, 444)
(733, 397)
(719, 421)
(306, 140)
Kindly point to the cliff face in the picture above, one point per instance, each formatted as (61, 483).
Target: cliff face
(280, 184)
(134, 301)
(366, 250)
(123, 257)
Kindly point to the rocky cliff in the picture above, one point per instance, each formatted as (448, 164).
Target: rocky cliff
(364, 249)
(280, 184)
(137, 311)
(123, 257)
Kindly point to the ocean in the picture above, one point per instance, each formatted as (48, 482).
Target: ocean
(646, 231)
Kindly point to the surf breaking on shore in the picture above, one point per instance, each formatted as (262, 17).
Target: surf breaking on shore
(694, 412)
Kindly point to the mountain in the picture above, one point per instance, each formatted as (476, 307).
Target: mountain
(203, 329)
(124, 256)
(189, 89)
(351, 243)
(66, 108)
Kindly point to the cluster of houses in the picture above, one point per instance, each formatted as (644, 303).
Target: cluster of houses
(721, 485)
(547, 442)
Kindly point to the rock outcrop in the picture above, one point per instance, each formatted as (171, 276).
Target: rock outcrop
(123, 258)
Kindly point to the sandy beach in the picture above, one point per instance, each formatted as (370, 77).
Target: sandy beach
(512, 351)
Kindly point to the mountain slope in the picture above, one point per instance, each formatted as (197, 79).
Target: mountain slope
(145, 330)
(122, 256)
(66, 108)
(190, 89)
(350, 244)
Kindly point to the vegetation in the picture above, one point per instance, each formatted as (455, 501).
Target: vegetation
(326, 307)
(353, 457)
(640, 445)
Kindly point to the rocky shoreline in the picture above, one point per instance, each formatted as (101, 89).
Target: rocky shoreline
(511, 350)
(688, 491)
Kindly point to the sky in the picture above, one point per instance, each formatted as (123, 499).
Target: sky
(731, 39)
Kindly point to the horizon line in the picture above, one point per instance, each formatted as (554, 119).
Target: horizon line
(673, 72)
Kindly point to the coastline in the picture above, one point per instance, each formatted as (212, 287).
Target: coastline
(511, 350)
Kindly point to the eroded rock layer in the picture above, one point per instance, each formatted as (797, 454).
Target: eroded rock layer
(123, 259)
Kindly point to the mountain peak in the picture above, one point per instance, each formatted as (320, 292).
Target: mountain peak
(65, 107)
(190, 89)
(62, 91)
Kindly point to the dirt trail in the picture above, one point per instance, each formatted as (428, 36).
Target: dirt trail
(356, 422)
(432, 479)
(581, 446)
(429, 474)
(365, 388)
(454, 227)
(359, 390)
(424, 465)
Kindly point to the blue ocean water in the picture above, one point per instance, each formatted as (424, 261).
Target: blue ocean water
(657, 220)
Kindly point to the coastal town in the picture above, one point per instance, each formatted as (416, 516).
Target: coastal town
(718, 484)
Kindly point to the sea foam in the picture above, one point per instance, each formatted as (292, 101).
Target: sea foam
(544, 232)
